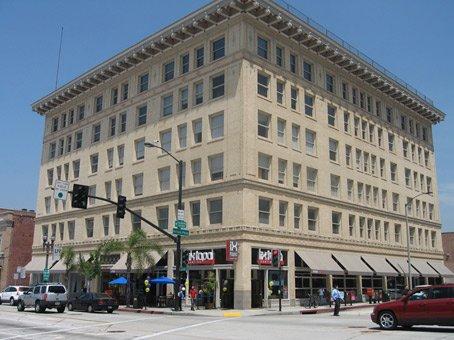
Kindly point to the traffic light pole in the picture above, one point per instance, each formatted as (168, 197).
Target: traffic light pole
(280, 283)
(176, 286)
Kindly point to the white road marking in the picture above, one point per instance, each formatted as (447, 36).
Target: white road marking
(78, 328)
(173, 330)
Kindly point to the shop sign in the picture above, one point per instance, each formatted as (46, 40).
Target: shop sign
(231, 250)
(265, 256)
(201, 257)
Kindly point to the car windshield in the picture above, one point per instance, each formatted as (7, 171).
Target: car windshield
(23, 289)
(56, 289)
(101, 296)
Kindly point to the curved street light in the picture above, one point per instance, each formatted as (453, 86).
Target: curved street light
(410, 283)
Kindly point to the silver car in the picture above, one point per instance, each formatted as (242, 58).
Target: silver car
(11, 294)
(44, 296)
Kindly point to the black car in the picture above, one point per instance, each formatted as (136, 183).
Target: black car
(92, 302)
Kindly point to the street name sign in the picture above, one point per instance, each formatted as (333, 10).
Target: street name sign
(180, 232)
(46, 275)
(180, 224)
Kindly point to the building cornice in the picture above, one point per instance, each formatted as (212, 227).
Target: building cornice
(276, 15)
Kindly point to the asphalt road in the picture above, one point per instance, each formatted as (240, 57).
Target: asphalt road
(77, 325)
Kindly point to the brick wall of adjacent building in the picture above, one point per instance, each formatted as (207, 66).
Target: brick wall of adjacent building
(16, 245)
(448, 249)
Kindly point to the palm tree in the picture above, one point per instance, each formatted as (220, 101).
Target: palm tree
(138, 249)
(68, 256)
(91, 268)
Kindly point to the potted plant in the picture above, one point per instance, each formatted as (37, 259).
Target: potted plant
(209, 288)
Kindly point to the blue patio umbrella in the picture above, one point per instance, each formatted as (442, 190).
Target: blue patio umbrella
(119, 281)
(163, 280)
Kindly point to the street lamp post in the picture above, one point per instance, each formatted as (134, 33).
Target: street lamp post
(410, 283)
(48, 246)
(180, 207)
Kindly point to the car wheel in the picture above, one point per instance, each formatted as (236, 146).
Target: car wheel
(90, 309)
(39, 308)
(387, 320)
(70, 307)
(12, 302)
(61, 309)
(20, 306)
(1, 301)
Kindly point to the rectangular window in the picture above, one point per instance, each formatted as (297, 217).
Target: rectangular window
(89, 226)
(61, 146)
(403, 122)
(331, 115)
(397, 232)
(390, 141)
(262, 84)
(297, 209)
(393, 171)
(336, 222)
(329, 83)
(123, 118)
(218, 49)
(96, 134)
(199, 57)
(124, 91)
(112, 126)
(163, 217)
(369, 104)
(182, 135)
(184, 63)
(311, 147)
(139, 146)
(169, 70)
(389, 115)
(167, 105)
(292, 63)
(92, 192)
(195, 213)
(378, 108)
(382, 168)
(197, 130)
(396, 203)
(264, 210)
(354, 96)
(217, 86)
(71, 229)
(312, 218)
(296, 175)
(363, 129)
(333, 147)
(362, 225)
(143, 83)
(282, 171)
(63, 120)
(335, 181)
(350, 189)
(215, 211)
(311, 179)
(360, 192)
(164, 178)
(114, 96)
(166, 141)
(296, 137)
(346, 122)
(217, 126)
(80, 112)
(198, 93)
(196, 166)
(307, 71)
(294, 98)
(78, 140)
(121, 154)
(137, 181)
(105, 224)
(345, 91)
(280, 88)
(50, 177)
(282, 213)
(108, 189)
(136, 222)
(119, 186)
(281, 131)
(94, 163)
(264, 163)
(351, 225)
(142, 115)
(386, 231)
(263, 126)
(348, 155)
(76, 169)
(308, 105)
(110, 153)
(362, 100)
(98, 103)
(408, 177)
(216, 164)
(184, 98)
(262, 47)
(279, 56)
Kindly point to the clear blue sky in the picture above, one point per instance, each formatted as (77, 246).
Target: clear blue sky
(413, 39)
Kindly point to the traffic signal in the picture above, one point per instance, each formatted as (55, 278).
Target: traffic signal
(185, 258)
(79, 197)
(275, 257)
(121, 206)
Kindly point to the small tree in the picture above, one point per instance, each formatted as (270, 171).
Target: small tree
(68, 256)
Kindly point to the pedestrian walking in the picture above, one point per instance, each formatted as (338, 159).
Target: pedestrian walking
(370, 294)
(336, 297)
(321, 295)
(193, 296)
(180, 299)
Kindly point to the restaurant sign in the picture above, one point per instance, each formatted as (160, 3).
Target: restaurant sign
(265, 256)
(201, 257)
(231, 250)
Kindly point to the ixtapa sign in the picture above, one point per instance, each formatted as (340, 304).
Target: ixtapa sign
(265, 255)
(201, 257)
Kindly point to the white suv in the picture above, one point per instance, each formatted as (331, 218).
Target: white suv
(44, 296)
(11, 294)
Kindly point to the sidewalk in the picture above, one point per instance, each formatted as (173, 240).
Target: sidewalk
(239, 313)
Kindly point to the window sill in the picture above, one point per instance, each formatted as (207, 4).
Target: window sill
(283, 145)
(295, 111)
(108, 170)
(280, 105)
(312, 155)
(313, 118)
(265, 139)
(196, 146)
(264, 98)
(138, 161)
(119, 167)
(297, 150)
(181, 149)
(92, 175)
(215, 140)
(334, 162)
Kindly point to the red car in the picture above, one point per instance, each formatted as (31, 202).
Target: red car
(426, 305)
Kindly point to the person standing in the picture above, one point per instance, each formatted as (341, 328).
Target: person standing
(180, 299)
(321, 295)
(336, 297)
(193, 296)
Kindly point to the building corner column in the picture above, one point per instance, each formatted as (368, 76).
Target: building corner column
(170, 264)
(242, 281)
(291, 276)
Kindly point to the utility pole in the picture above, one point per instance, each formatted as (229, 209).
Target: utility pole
(176, 286)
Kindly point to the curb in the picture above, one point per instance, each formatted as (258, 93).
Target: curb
(239, 314)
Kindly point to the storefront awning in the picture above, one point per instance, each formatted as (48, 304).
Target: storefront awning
(379, 265)
(120, 265)
(320, 262)
(440, 268)
(37, 264)
(421, 266)
(401, 265)
(353, 264)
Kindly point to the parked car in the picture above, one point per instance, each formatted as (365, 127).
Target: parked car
(44, 296)
(426, 305)
(11, 294)
(92, 302)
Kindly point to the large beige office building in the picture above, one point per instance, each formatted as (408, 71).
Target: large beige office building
(291, 139)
